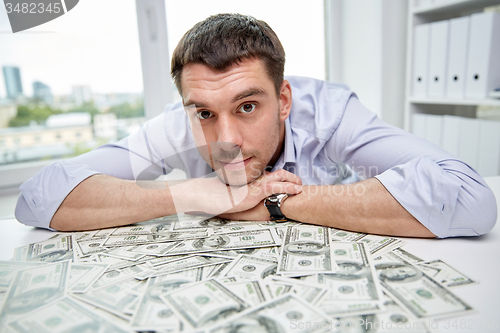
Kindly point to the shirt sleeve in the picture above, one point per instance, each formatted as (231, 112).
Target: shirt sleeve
(136, 157)
(442, 192)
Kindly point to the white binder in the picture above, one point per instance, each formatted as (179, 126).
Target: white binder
(457, 57)
(483, 59)
(489, 148)
(420, 60)
(418, 124)
(433, 126)
(438, 55)
(451, 134)
(469, 141)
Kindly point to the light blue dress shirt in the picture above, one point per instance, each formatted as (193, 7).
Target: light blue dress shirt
(329, 133)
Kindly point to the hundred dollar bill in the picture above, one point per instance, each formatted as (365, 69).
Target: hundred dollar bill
(271, 252)
(419, 293)
(144, 229)
(113, 298)
(444, 273)
(8, 271)
(250, 291)
(306, 250)
(284, 314)
(229, 241)
(375, 244)
(65, 315)
(82, 276)
(32, 288)
(354, 288)
(94, 245)
(277, 286)
(216, 224)
(54, 249)
(154, 238)
(157, 249)
(124, 252)
(113, 277)
(182, 264)
(204, 304)
(409, 257)
(154, 314)
(249, 268)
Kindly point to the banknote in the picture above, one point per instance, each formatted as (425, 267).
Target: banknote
(249, 268)
(91, 246)
(113, 298)
(51, 250)
(271, 252)
(182, 264)
(251, 291)
(354, 288)
(170, 236)
(228, 241)
(64, 315)
(277, 286)
(33, 288)
(204, 304)
(444, 273)
(373, 243)
(115, 276)
(83, 275)
(284, 314)
(143, 229)
(124, 252)
(306, 250)
(409, 257)
(423, 296)
(8, 271)
(156, 249)
(154, 314)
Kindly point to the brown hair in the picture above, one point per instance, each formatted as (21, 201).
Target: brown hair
(223, 40)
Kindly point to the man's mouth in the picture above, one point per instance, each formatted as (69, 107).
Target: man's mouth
(235, 164)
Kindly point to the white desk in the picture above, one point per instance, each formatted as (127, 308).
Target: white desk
(477, 257)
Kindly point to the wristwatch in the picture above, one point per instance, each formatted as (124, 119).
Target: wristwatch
(273, 204)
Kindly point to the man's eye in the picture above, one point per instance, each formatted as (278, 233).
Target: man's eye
(247, 108)
(204, 114)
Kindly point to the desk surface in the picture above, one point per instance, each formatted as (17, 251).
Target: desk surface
(476, 257)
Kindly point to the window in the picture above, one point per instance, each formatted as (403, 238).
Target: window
(55, 74)
(300, 28)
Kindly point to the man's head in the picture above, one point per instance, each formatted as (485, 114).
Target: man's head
(229, 71)
(223, 40)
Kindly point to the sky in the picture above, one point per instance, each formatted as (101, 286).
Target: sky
(97, 44)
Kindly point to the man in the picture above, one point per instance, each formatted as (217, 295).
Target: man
(239, 119)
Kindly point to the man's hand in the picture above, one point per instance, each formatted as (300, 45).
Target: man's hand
(212, 196)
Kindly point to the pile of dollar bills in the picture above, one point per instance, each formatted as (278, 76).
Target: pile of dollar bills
(193, 274)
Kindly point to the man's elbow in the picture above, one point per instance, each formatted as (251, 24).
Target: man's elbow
(487, 210)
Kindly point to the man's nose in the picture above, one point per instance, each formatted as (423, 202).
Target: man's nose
(229, 135)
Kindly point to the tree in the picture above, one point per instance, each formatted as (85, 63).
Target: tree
(32, 112)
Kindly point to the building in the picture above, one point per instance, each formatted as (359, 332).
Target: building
(13, 85)
(8, 110)
(42, 92)
(82, 94)
(59, 137)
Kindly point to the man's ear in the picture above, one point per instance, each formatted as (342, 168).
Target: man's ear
(285, 101)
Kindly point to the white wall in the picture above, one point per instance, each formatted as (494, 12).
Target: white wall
(371, 35)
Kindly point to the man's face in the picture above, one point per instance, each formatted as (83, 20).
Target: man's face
(236, 118)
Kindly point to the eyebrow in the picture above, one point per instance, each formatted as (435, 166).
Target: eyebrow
(245, 94)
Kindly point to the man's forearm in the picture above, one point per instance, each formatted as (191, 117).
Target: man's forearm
(103, 201)
(365, 206)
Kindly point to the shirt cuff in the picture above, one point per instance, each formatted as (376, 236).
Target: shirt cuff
(44, 193)
(426, 191)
